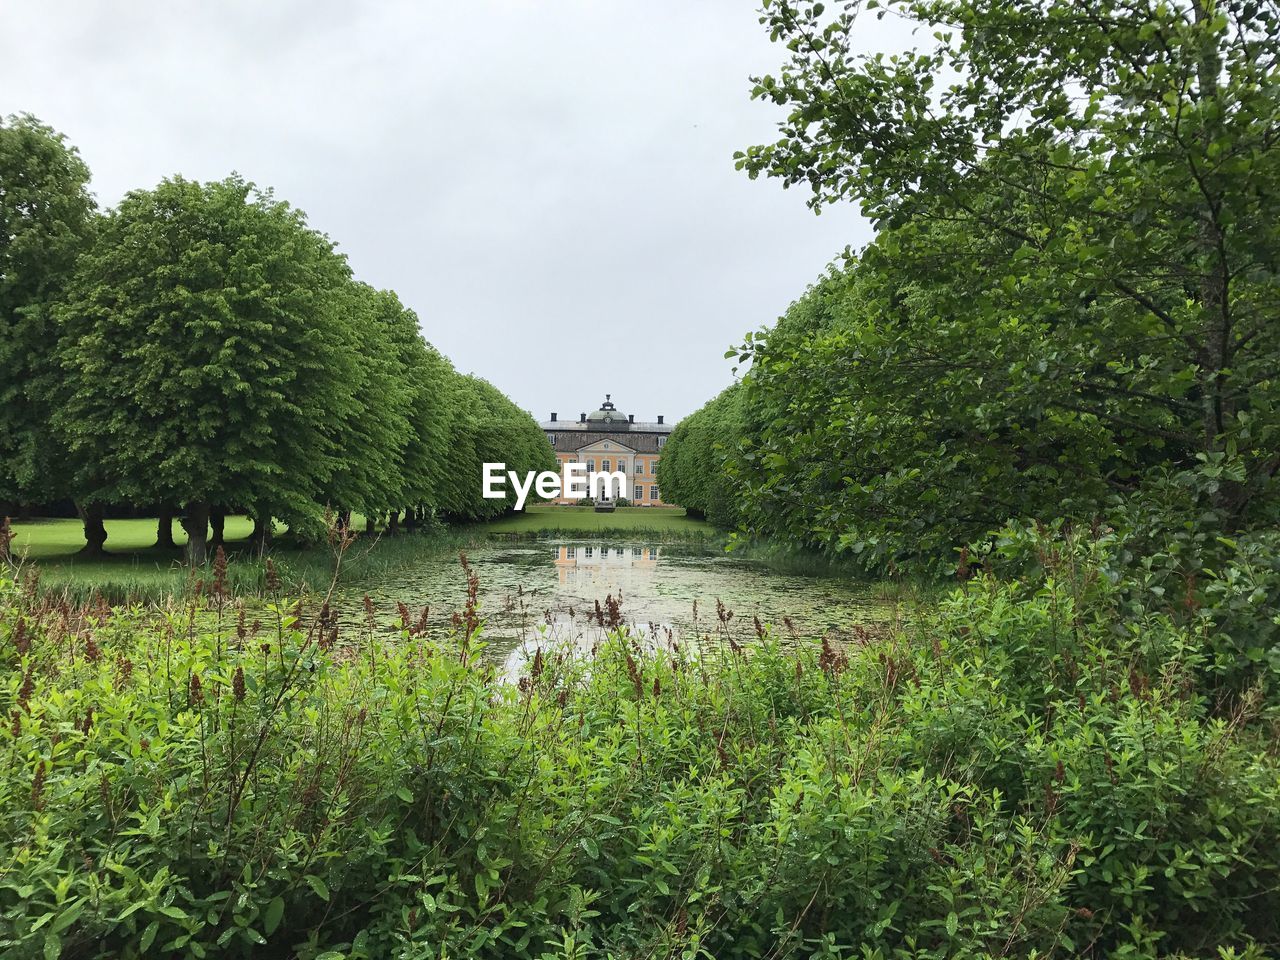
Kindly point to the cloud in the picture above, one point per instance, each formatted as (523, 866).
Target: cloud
(549, 185)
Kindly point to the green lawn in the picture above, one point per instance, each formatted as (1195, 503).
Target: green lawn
(552, 519)
(133, 567)
(43, 539)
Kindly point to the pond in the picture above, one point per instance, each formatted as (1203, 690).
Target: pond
(540, 593)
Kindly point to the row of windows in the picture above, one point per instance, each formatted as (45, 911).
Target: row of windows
(653, 493)
(606, 465)
(636, 552)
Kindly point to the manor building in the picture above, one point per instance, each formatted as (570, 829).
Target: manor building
(608, 441)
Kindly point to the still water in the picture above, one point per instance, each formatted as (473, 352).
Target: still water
(538, 593)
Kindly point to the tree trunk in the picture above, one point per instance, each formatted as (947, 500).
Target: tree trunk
(393, 523)
(262, 529)
(344, 521)
(95, 531)
(196, 522)
(1216, 357)
(164, 529)
(411, 519)
(370, 525)
(218, 521)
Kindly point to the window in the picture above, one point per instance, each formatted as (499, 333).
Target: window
(591, 466)
(622, 466)
(639, 493)
(639, 466)
(653, 493)
(552, 438)
(604, 465)
(661, 441)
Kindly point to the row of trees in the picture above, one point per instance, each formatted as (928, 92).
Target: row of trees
(199, 349)
(1071, 303)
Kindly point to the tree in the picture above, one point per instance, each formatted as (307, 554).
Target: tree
(208, 353)
(428, 380)
(487, 428)
(368, 471)
(46, 218)
(692, 471)
(1073, 288)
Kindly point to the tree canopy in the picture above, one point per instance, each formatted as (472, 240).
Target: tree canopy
(692, 471)
(200, 348)
(1071, 297)
(46, 218)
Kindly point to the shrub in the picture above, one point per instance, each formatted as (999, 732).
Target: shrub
(1023, 772)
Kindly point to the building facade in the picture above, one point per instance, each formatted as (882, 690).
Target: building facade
(607, 440)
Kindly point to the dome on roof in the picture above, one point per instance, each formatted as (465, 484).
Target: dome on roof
(607, 414)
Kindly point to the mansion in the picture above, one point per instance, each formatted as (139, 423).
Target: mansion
(607, 441)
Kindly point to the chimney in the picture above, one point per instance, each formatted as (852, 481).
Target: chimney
(553, 417)
(582, 418)
(631, 418)
(659, 418)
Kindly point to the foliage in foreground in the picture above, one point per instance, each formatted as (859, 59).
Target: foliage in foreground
(1025, 774)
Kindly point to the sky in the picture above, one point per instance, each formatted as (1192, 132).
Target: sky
(549, 185)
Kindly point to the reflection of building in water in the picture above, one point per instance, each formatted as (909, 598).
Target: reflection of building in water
(596, 564)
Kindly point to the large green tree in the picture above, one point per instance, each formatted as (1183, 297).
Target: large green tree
(46, 216)
(487, 427)
(1073, 289)
(369, 467)
(692, 471)
(433, 419)
(210, 356)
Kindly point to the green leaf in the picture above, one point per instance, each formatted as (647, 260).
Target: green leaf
(273, 914)
(320, 888)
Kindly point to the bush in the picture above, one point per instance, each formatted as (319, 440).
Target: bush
(1024, 772)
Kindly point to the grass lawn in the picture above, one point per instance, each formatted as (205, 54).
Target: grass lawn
(133, 567)
(44, 539)
(553, 519)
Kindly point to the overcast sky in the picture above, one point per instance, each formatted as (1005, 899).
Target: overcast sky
(549, 184)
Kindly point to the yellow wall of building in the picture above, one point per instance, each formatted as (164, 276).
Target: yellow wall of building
(642, 470)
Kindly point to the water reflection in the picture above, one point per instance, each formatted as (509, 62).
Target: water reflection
(570, 593)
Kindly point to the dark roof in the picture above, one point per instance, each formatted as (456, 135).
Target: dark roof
(571, 437)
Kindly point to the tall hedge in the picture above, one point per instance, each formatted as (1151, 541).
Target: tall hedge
(692, 471)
